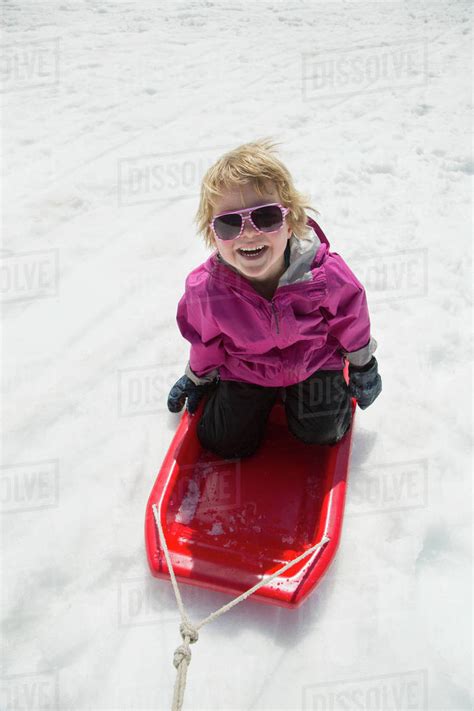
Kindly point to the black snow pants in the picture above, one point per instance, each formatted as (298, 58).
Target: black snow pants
(318, 411)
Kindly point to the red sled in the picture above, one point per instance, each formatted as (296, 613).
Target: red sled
(229, 523)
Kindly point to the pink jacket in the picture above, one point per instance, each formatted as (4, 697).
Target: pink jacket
(317, 316)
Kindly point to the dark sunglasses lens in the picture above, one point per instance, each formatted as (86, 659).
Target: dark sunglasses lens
(267, 219)
(228, 226)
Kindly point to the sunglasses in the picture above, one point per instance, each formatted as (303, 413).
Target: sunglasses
(264, 218)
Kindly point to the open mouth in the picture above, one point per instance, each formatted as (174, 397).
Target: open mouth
(253, 252)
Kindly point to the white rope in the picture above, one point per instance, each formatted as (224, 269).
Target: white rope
(189, 632)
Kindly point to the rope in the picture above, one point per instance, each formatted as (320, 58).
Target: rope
(188, 631)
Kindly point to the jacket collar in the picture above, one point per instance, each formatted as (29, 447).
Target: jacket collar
(301, 256)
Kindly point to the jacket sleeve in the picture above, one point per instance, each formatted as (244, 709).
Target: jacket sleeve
(346, 312)
(207, 351)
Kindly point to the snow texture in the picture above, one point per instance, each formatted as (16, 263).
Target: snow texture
(111, 112)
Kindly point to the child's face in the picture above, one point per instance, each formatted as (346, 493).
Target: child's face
(270, 263)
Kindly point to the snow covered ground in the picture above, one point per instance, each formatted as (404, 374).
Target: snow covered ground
(111, 111)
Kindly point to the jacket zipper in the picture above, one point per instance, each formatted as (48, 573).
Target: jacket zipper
(275, 312)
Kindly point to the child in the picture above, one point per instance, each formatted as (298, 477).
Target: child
(271, 312)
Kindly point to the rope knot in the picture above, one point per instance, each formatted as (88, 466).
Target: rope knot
(180, 653)
(189, 631)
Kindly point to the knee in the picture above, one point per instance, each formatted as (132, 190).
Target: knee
(228, 452)
(323, 434)
(225, 449)
(326, 439)
(321, 438)
(236, 453)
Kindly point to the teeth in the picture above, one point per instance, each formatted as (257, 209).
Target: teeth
(251, 249)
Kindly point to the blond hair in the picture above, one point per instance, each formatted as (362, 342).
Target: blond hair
(254, 163)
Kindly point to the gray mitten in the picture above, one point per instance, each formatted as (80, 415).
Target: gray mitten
(184, 389)
(365, 383)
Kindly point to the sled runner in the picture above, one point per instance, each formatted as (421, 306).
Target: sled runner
(229, 522)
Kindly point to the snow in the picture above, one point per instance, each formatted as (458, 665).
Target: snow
(188, 506)
(111, 111)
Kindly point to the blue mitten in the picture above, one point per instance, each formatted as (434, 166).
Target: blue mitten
(365, 384)
(185, 389)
